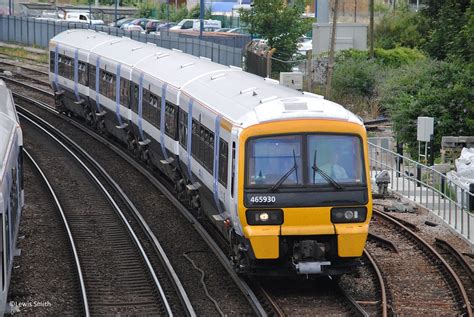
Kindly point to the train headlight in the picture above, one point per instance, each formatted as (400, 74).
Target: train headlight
(264, 217)
(348, 214)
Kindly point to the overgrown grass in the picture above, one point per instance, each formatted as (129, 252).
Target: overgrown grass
(22, 54)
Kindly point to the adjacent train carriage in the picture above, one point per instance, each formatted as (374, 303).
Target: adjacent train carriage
(11, 188)
(283, 175)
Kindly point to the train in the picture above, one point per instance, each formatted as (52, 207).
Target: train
(281, 175)
(11, 188)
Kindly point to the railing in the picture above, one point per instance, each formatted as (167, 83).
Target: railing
(225, 50)
(426, 186)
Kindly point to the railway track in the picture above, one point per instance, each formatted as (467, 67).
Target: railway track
(70, 238)
(290, 298)
(9, 65)
(45, 95)
(245, 291)
(257, 307)
(24, 58)
(417, 274)
(320, 297)
(459, 265)
(121, 279)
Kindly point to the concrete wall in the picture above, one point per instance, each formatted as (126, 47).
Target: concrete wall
(348, 35)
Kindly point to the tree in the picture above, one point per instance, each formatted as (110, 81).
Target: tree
(279, 23)
(445, 26)
(430, 88)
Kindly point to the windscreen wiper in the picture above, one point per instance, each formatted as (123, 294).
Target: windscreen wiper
(294, 168)
(328, 178)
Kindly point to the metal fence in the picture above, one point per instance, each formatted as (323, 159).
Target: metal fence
(449, 200)
(34, 32)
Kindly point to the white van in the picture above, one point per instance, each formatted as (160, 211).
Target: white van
(78, 16)
(194, 25)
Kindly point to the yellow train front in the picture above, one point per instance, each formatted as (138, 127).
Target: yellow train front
(305, 200)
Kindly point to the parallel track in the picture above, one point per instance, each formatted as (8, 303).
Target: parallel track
(163, 187)
(117, 235)
(323, 297)
(452, 279)
(23, 66)
(72, 244)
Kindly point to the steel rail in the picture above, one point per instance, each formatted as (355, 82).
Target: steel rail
(26, 85)
(387, 242)
(383, 291)
(85, 302)
(272, 308)
(147, 230)
(184, 298)
(457, 282)
(24, 67)
(241, 284)
(455, 253)
(358, 310)
(40, 123)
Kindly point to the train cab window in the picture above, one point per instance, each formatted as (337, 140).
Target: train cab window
(339, 156)
(183, 128)
(270, 158)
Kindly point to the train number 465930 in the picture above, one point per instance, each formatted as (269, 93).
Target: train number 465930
(264, 199)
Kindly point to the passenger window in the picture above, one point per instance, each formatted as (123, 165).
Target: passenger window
(183, 128)
(233, 171)
(223, 161)
(170, 120)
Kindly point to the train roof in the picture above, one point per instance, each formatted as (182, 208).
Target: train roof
(240, 97)
(8, 121)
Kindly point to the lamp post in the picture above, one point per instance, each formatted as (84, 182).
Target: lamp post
(90, 13)
(116, 5)
(201, 14)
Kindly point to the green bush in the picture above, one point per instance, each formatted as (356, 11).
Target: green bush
(429, 88)
(398, 28)
(398, 56)
(385, 57)
(355, 77)
(354, 84)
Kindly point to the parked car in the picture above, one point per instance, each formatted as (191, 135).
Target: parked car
(304, 44)
(135, 25)
(222, 30)
(121, 21)
(80, 16)
(166, 26)
(194, 25)
(152, 25)
(244, 31)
